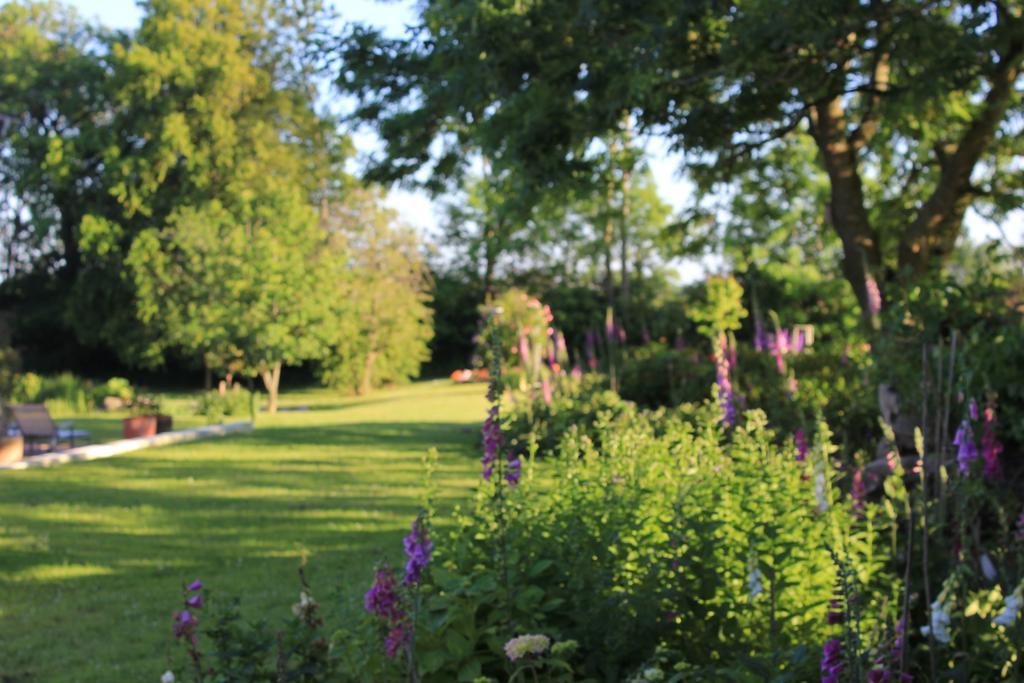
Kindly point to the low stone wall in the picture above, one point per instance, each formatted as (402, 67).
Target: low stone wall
(108, 450)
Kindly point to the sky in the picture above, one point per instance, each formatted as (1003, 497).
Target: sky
(418, 210)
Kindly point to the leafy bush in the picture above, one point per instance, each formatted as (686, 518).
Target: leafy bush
(118, 387)
(655, 375)
(576, 407)
(65, 391)
(215, 406)
(673, 534)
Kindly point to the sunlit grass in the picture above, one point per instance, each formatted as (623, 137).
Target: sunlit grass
(92, 555)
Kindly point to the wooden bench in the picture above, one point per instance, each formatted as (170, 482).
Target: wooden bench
(37, 427)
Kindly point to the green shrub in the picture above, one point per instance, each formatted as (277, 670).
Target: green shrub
(655, 375)
(215, 406)
(577, 405)
(118, 387)
(651, 541)
(65, 392)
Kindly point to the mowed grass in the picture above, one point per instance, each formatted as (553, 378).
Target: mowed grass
(93, 555)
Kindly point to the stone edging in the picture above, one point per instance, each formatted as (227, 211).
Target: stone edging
(109, 450)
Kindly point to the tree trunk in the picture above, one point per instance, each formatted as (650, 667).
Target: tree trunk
(272, 381)
(489, 258)
(627, 177)
(366, 382)
(624, 244)
(609, 246)
(847, 211)
(69, 221)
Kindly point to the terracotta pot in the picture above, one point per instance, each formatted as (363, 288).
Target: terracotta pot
(164, 423)
(12, 449)
(139, 425)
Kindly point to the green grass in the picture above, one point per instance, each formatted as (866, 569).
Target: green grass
(93, 555)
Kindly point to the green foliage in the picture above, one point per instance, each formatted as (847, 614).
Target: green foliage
(577, 407)
(651, 539)
(382, 334)
(67, 390)
(242, 294)
(720, 310)
(236, 402)
(898, 105)
(655, 375)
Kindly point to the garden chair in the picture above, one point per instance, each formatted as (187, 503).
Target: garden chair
(37, 427)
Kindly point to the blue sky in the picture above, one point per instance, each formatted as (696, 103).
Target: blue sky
(416, 208)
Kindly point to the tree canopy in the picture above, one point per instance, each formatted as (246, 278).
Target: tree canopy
(914, 110)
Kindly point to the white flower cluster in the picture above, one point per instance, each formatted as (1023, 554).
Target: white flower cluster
(521, 646)
(1008, 617)
(939, 627)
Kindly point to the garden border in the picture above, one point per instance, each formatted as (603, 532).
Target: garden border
(114, 448)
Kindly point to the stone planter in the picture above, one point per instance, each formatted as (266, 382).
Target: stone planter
(138, 425)
(164, 423)
(12, 449)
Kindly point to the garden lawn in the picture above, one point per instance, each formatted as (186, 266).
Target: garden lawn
(93, 555)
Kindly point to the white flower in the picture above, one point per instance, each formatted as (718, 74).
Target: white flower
(653, 674)
(528, 644)
(939, 624)
(754, 584)
(304, 604)
(1008, 616)
(987, 568)
(168, 677)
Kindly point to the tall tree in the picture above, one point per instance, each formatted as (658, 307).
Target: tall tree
(56, 101)
(913, 108)
(250, 292)
(384, 333)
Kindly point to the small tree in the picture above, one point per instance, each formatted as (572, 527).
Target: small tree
(255, 292)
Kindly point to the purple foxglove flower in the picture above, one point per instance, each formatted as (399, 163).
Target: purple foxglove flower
(195, 585)
(545, 386)
(799, 341)
(967, 451)
(836, 614)
(196, 601)
(800, 439)
(513, 471)
(491, 432)
(418, 548)
(382, 598)
(972, 409)
(990, 445)
(832, 661)
(760, 338)
(398, 638)
(725, 393)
